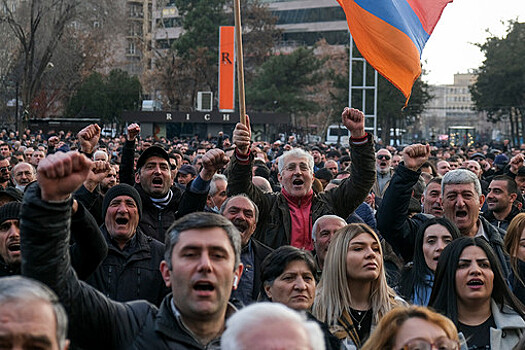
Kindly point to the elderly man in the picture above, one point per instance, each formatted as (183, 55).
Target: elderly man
(287, 217)
(32, 317)
(131, 269)
(244, 214)
(23, 174)
(201, 266)
(322, 233)
(461, 199)
(217, 193)
(384, 173)
(162, 204)
(265, 326)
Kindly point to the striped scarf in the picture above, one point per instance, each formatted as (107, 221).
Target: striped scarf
(162, 203)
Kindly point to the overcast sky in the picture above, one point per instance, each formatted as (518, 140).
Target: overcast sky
(450, 50)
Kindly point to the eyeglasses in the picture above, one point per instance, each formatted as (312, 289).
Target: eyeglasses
(383, 156)
(440, 344)
(5, 169)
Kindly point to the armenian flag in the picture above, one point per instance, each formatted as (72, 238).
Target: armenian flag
(391, 34)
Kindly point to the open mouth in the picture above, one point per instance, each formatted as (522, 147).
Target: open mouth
(383, 164)
(157, 181)
(14, 247)
(298, 182)
(461, 214)
(241, 225)
(121, 221)
(475, 282)
(204, 286)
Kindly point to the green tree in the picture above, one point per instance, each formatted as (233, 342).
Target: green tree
(500, 86)
(106, 97)
(282, 83)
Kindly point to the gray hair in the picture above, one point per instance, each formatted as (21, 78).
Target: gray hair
(213, 186)
(106, 156)
(461, 176)
(257, 315)
(297, 153)
(202, 220)
(242, 195)
(322, 218)
(23, 289)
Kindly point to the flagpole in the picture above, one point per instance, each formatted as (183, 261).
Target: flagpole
(240, 62)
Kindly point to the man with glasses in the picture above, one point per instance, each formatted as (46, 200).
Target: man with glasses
(23, 175)
(384, 173)
(5, 173)
(286, 217)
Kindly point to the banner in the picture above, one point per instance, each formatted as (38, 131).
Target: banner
(227, 69)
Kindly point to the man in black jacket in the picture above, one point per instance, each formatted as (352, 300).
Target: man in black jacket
(162, 203)
(131, 269)
(461, 198)
(202, 265)
(244, 214)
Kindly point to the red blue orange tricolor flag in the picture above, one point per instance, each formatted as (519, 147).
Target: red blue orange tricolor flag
(391, 34)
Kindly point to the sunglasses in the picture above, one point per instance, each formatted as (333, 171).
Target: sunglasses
(383, 156)
(5, 169)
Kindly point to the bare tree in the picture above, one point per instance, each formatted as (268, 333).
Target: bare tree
(43, 29)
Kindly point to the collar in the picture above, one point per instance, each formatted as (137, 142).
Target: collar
(298, 201)
(481, 231)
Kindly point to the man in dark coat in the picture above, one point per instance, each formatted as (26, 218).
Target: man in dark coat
(461, 198)
(131, 269)
(201, 266)
(286, 217)
(161, 203)
(244, 214)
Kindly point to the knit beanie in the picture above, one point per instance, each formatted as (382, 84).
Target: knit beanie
(121, 190)
(10, 211)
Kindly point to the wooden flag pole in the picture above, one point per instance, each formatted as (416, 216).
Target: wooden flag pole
(240, 62)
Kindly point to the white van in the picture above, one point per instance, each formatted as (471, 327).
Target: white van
(334, 131)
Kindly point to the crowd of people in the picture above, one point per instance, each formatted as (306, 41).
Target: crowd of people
(134, 243)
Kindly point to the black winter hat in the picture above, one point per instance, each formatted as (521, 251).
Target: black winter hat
(10, 211)
(121, 190)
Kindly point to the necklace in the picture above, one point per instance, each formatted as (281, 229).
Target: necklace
(360, 314)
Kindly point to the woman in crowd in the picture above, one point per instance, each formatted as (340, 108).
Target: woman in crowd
(288, 276)
(413, 328)
(417, 279)
(514, 243)
(353, 294)
(470, 289)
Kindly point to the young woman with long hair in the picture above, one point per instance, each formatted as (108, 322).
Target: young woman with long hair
(470, 289)
(353, 294)
(417, 279)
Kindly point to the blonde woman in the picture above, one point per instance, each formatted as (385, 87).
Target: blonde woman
(514, 243)
(414, 327)
(353, 294)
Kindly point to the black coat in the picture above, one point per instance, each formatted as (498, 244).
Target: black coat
(95, 321)
(155, 221)
(400, 231)
(87, 251)
(132, 273)
(275, 223)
